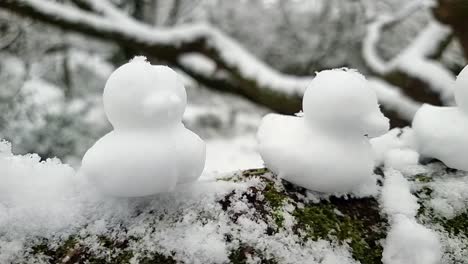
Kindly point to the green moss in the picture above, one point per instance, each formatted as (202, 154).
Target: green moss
(118, 249)
(319, 221)
(241, 256)
(67, 248)
(274, 197)
(275, 200)
(255, 172)
(156, 259)
(68, 245)
(423, 178)
(41, 248)
(456, 226)
(322, 221)
(278, 217)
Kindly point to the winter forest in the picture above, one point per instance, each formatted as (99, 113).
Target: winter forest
(234, 131)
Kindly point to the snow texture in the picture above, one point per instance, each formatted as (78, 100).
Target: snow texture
(442, 132)
(339, 110)
(36, 198)
(449, 197)
(396, 196)
(48, 200)
(149, 151)
(410, 243)
(407, 242)
(395, 149)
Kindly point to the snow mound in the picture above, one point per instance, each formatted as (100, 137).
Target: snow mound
(411, 243)
(407, 242)
(396, 195)
(442, 132)
(340, 109)
(37, 198)
(149, 151)
(48, 215)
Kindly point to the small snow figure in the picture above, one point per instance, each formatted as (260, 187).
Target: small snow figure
(326, 150)
(149, 151)
(442, 132)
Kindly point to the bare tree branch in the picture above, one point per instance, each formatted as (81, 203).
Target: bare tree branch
(455, 14)
(415, 61)
(255, 79)
(235, 69)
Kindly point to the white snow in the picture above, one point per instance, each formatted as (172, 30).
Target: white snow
(401, 158)
(396, 149)
(47, 200)
(37, 198)
(407, 242)
(396, 196)
(461, 92)
(449, 197)
(411, 243)
(340, 108)
(231, 154)
(149, 151)
(442, 132)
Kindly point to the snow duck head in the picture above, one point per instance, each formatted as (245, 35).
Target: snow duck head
(341, 101)
(140, 95)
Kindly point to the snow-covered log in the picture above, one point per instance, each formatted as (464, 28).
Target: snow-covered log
(245, 217)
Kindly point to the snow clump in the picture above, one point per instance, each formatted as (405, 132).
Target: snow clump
(442, 132)
(408, 242)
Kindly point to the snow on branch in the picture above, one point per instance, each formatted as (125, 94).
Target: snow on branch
(235, 69)
(227, 51)
(167, 44)
(393, 99)
(415, 60)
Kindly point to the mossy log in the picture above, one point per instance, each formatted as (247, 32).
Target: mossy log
(357, 223)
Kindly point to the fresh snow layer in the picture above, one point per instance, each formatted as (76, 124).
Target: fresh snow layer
(149, 151)
(410, 243)
(442, 132)
(48, 200)
(401, 158)
(340, 109)
(407, 242)
(395, 149)
(396, 196)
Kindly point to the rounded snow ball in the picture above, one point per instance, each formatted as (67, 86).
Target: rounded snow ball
(138, 93)
(342, 99)
(149, 151)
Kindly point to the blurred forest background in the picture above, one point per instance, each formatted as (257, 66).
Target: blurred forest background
(239, 59)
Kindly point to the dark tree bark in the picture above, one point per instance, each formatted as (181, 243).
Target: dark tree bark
(455, 14)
